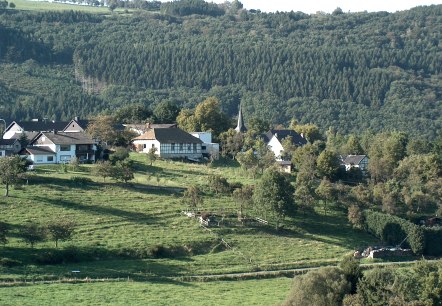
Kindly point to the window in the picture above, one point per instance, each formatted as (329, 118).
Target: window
(189, 147)
(50, 158)
(65, 147)
(172, 147)
(194, 147)
(1, 153)
(39, 159)
(65, 158)
(203, 147)
(181, 146)
(153, 145)
(145, 146)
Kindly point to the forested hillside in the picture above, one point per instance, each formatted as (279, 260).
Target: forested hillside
(351, 71)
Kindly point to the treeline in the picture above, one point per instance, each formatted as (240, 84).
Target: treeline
(350, 71)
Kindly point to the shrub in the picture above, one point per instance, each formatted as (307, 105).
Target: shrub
(8, 262)
(3, 233)
(120, 154)
(32, 234)
(81, 180)
(159, 251)
(61, 230)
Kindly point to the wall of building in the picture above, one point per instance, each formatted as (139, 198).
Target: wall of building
(276, 147)
(14, 129)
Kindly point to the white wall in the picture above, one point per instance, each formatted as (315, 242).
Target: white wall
(65, 156)
(205, 137)
(147, 145)
(276, 147)
(14, 129)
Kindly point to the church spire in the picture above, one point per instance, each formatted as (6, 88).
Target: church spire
(240, 127)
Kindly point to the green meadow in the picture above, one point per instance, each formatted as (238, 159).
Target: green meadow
(118, 226)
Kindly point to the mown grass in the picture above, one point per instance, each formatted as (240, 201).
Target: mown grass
(53, 6)
(117, 226)
(249, 292)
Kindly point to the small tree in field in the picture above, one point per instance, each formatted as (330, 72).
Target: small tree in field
(12, 171)
(355, 216)
(61, 230)
(152, 155)
(74, 163)
(3, 233)
(104, 169)
(32, 234)
(192, 197)
(123, 172)
(244, 197)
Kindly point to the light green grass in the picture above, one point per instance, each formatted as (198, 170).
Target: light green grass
(52, 6)
(121, 221)
(250, 292)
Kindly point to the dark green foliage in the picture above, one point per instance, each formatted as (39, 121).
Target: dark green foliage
(433, 241)
(123, 171)
(3, 232)
(218, 184)
(9, 262)
(325, 286)
(190, 7)
(281, 66)
(165, 112)
(394, 230)
(33, 233)
(273, 195)
(120, 154)
(61, 230)
(133, 113)
(81, 180)
(352, 270)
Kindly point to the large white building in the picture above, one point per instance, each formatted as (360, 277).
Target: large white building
(169, 143)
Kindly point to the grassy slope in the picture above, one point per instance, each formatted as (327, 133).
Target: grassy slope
(51, 6)
(122, 219)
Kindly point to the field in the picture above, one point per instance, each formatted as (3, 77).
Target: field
(118, 225)
(51, 6)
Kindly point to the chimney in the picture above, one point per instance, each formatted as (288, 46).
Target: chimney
(76, 118)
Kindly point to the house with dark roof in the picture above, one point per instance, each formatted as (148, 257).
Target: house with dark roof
(275, 138)
(14, 129)
(9, 147)
(355, 161)
(169, 143)
(60, 147)
(141, 128)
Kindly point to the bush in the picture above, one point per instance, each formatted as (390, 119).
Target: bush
(159, 251)
(81, 180)
(394, 230)
(120, 154)
(8, 262)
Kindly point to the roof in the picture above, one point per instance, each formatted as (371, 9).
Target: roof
(353, 159)
(7, 142)
(282, 134)
(145, 126)
(83, 123)
(40, 126)
(29, 135)
(43, 150)
(168, 135)
(68, 138)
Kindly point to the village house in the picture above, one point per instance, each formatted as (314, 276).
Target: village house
(275, 138)
(169, 143)
(141, 128)
(355, 161)
(60, 147)
(208, 148)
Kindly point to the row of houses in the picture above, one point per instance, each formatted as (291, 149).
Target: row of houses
(59, 142)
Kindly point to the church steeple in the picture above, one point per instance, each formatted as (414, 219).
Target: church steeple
(240, 127)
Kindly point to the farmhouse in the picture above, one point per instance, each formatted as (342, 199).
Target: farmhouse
(355, 161)
(51, 148)
(9, 147)
(208, 148)
(275, 138)
(169, 143)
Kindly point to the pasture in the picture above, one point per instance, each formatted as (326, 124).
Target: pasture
(137, 232)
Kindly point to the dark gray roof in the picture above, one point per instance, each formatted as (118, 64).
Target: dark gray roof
(41, 126)
(68, 138)
(29, 135)
(168, 135)
(43, 150)
(353, 159)
(281, 134)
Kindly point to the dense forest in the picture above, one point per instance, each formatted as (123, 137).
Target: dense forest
(351, 71)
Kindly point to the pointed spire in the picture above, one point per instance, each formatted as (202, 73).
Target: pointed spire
(240, 127)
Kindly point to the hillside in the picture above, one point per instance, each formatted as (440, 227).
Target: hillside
(352, 71)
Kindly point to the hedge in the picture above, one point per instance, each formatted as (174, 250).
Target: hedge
(393, 230)
(433, 241)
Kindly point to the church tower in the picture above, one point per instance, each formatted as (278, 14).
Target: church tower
(240, 127)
